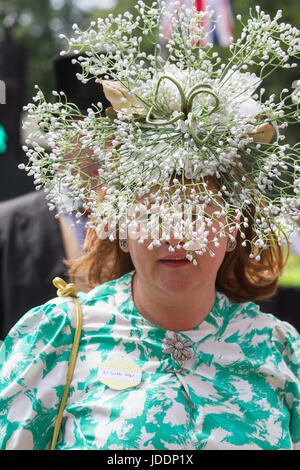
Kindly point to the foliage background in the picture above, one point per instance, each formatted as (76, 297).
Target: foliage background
(38, 24)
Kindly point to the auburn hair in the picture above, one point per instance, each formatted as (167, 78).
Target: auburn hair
(240, 277)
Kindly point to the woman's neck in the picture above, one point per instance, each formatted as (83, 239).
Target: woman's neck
(170, 310)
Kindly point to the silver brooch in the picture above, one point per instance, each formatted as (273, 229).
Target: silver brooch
(179, 348)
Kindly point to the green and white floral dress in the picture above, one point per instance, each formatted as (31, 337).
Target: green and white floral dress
(237, 389)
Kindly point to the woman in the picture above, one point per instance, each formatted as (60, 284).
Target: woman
(172, 353)
(206, 372)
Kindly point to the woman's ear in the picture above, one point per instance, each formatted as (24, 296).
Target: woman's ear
(231, 241)
(231, 244)
(123, 243)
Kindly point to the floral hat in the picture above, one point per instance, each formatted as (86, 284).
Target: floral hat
(185, 132)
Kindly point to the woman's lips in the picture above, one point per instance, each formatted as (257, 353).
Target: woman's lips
(174, 263)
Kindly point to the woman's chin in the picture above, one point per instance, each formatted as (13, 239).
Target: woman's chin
(175, 283)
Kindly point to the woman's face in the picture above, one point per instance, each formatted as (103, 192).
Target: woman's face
(172, 271)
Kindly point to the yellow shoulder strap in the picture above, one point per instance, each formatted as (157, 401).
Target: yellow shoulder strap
(67, 290)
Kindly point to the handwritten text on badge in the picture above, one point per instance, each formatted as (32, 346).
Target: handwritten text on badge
(120, 374)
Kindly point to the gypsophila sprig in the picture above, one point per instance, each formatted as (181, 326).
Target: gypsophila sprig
(190, 146)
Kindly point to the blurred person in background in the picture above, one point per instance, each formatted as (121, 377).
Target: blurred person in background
(34, 241)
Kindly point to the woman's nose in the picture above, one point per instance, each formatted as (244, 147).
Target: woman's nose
(175, 242)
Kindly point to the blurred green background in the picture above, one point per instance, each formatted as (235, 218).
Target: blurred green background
(33, 26)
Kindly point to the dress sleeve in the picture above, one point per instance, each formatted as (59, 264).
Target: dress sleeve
(289, 340)
(33, 366)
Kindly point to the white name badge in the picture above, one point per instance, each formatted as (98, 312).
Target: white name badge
(120, 374)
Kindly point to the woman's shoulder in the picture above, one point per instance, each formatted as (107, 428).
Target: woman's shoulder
(42, 322)
(59, 313)
(38, 341)
(262, 335)
(249, 317)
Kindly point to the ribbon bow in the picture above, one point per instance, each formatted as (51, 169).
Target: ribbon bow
(186, 106)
